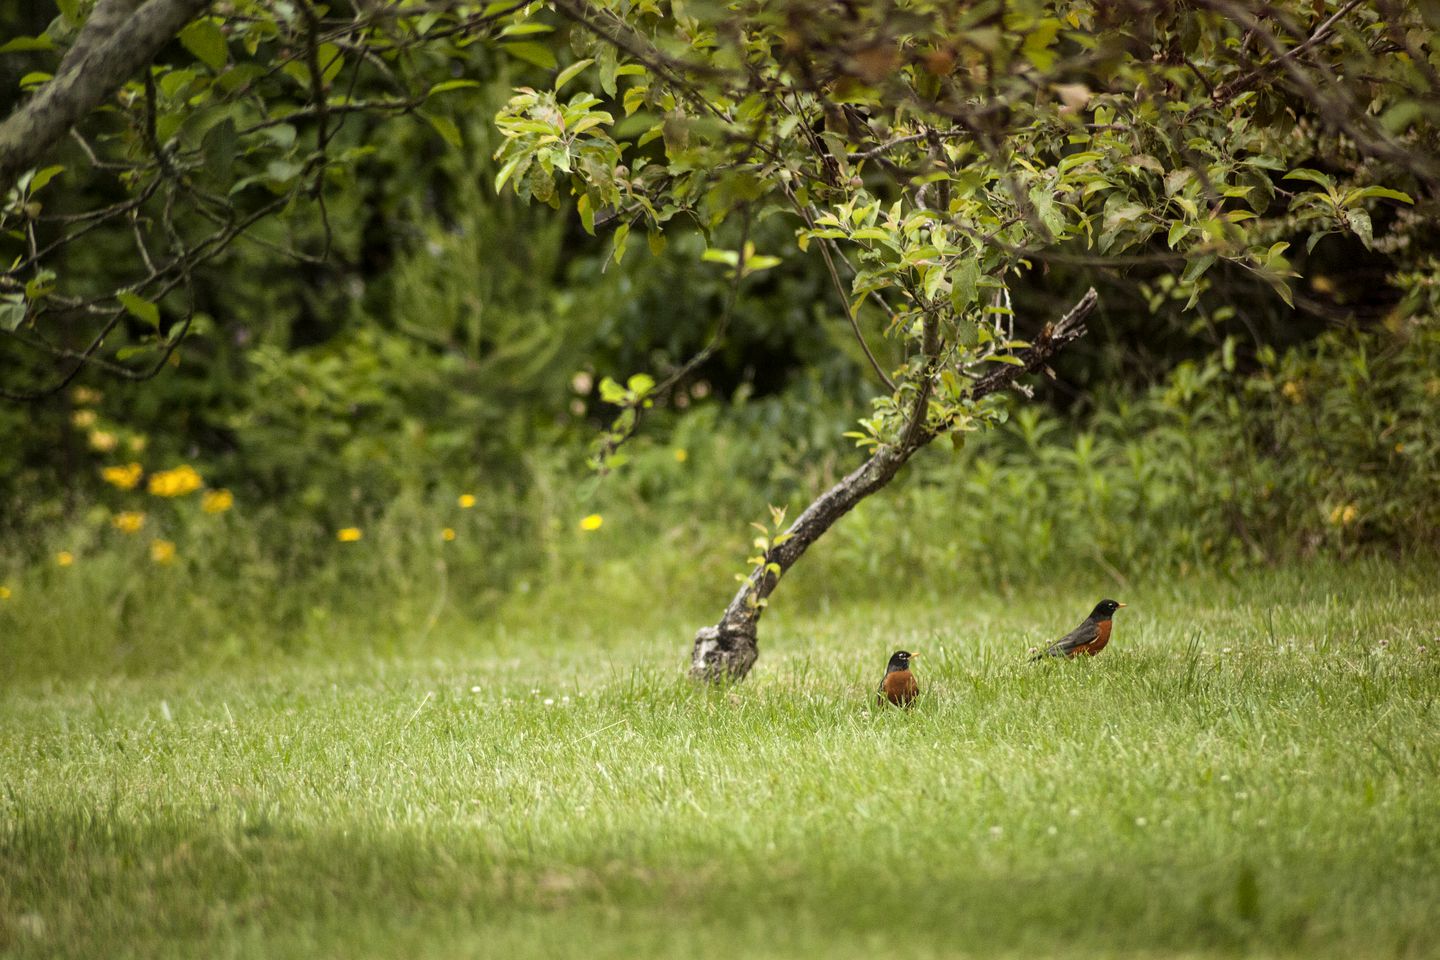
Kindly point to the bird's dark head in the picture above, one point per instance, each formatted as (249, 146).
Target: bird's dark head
(1105, 609)
(900, 660)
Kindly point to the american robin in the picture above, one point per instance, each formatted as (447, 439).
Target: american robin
(899, 685)
(1088, 638)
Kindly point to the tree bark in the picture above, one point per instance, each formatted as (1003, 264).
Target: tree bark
(727, 650)
(120, 38)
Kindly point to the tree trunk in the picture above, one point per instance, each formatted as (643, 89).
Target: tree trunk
(728, 650)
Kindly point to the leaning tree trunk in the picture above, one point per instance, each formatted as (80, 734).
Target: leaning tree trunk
(728, 650)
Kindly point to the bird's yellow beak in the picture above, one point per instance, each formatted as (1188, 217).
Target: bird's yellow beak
(1123, 604)
(914, 655)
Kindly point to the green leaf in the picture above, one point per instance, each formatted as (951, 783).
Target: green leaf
(204, 39)
(964, 285)
(640, 384)
(446, 128)
(1050, 215)
(1195, 269)
(535, 53)
(12, 312)
(570, 72)
(757, 262)
(608, 62)
(713, 255)
(587, 213)
(28, 44)
(507, 170)
(1036, 47)
(449, 85)
(622, 234)
(611, 391)
(1359, 221)
(1122, 213)
(1314, 176)
(174, 83)
(140, 308)
(967, 333)
(1075, 159)
(41, 286)
(219, 149)
(34, 79)
(1383, 192)
(282, 172)
(1282, 288)
(298, 72)
(282, 135)
(332, 61)
(526, 29)
(43, 177)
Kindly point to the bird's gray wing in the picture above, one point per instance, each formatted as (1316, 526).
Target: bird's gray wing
(1086, 633)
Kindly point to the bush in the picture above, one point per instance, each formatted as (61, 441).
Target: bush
(1328, 448)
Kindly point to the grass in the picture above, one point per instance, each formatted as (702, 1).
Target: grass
(1252, 768)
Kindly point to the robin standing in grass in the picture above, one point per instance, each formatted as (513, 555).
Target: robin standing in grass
(899, 685)
(1089, 638)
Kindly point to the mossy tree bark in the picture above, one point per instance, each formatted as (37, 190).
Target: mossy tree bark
(119, 38)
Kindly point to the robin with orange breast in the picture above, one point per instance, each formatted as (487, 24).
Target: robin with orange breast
(1089, 638)
(898, 686)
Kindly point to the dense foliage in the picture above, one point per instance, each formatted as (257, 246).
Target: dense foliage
(849, 211)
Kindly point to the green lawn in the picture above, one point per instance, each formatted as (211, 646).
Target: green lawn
(1251, 768)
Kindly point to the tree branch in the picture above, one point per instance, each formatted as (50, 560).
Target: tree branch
(117, 41)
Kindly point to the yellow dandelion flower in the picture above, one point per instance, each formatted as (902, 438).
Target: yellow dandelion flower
(1399, 448)
(681, 455)
(103, 442)
(592, 522)
(125, 477)
(162, 552)
(131, 521)
(1344, 515)
(64, 558)
(175, 483)
(466, 501)
(4, 592)
(349, 534)
(217, 501)
(447, 534)
(84, 419)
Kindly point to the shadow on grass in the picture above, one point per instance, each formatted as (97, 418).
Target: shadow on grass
(91, 885)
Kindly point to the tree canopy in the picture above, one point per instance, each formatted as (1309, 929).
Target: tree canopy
(930, 161)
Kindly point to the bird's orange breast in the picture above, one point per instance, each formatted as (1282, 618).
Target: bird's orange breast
(900, 687)
(1102, 637)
